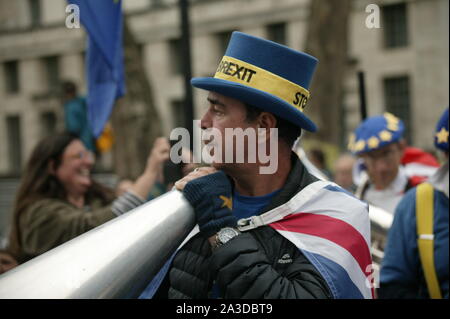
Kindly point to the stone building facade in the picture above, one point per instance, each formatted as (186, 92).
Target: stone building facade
(405, 61)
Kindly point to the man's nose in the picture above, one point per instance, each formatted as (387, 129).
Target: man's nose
(205, 122)
(381, 165)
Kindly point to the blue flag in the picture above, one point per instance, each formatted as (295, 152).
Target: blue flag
(104, 61)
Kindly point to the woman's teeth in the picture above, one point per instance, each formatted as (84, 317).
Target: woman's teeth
(85, 172)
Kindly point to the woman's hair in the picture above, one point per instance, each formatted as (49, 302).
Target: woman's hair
(38, 182)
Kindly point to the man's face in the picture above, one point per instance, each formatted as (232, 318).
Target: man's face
(383, 164)
(225, 112)
(343, 172)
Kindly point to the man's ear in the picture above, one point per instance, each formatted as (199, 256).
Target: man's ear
(266, 121)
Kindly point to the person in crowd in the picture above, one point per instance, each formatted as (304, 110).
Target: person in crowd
(416, 263)
(387, 168)
(317, 157)
(123, 186)
(167, 175)
(58, 199)
(76, 116)
(7, 261)
(343, 172)
(264, 231)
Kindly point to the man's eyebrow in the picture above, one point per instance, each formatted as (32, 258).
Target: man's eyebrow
(215, 102)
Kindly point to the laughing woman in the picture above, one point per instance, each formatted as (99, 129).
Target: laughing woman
(58, 200)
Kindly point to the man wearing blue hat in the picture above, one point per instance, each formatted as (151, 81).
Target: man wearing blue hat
(386, 167)
(278, 234)
(416, 263)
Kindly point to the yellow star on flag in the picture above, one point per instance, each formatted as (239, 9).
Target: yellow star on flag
(227, 202)
(385, 136)
(373, 142)
(391, 118)
(351, 141)
(392, 121)
(392, 126)
(442, 136)
(359, 146)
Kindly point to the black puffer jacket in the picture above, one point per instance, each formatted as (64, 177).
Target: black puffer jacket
(259, 263)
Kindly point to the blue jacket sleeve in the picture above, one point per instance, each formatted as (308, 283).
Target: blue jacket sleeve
(401, 264)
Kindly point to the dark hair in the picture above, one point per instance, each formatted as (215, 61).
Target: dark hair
(287, 131)
(69, 88)
(38, 183)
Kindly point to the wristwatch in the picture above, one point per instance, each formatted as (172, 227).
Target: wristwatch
(224, 235)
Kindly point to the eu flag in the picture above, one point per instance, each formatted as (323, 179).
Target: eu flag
(104, 61)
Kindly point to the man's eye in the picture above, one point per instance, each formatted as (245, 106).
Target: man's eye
(217, 111)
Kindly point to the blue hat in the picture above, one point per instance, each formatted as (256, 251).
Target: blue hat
(441, 136)
(266, 75)
(376, 132)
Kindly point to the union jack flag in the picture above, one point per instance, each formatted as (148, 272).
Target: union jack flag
(332, 229)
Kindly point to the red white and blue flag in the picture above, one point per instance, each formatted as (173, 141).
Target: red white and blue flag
(332, 229)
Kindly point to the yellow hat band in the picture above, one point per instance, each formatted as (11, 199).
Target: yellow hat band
(238, 71)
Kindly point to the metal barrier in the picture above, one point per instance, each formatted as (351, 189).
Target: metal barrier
(114, 260)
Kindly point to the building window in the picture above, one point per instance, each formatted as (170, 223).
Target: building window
(48, 120)
(277, 32)
(397, 100)
(35, 12)
(14, 143)
(11, 72)
(156, 3)
(141, 52)
(175, 54)
(52, 71)
(395, 25)
(222, 39)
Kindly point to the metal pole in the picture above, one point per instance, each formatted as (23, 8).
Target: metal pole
(115, 260)
(362, 95)
(187, 72)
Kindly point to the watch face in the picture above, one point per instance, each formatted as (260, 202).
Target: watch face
(226, 234)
